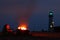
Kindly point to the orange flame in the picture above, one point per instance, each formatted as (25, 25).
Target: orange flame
(22, 27)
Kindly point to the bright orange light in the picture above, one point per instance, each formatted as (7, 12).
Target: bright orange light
(23, 27)
(18, 27)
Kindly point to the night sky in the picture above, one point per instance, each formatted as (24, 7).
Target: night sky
(36, 12)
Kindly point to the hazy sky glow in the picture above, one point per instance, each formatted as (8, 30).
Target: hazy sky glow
(35, 11)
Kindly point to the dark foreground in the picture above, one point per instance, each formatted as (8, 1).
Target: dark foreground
(26, 38)
(33, 36)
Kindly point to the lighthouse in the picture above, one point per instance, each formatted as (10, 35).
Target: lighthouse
(51, 21)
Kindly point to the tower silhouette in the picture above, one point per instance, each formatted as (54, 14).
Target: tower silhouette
(51, 21)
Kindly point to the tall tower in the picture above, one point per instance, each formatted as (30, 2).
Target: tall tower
(51, 21)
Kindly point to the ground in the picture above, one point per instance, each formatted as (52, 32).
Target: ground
(26, 38)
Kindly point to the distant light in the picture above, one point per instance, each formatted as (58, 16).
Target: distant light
(51, 14)
(51, 26)
(53, 22)
(8, 26)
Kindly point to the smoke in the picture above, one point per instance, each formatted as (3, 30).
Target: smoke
(26, 12)
(20, 10)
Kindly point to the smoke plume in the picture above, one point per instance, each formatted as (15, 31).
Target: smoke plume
(26, 12)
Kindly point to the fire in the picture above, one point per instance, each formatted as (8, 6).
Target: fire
(23, 27)
(18, 27)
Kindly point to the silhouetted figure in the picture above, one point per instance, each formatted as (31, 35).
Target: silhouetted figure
(6, 30)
